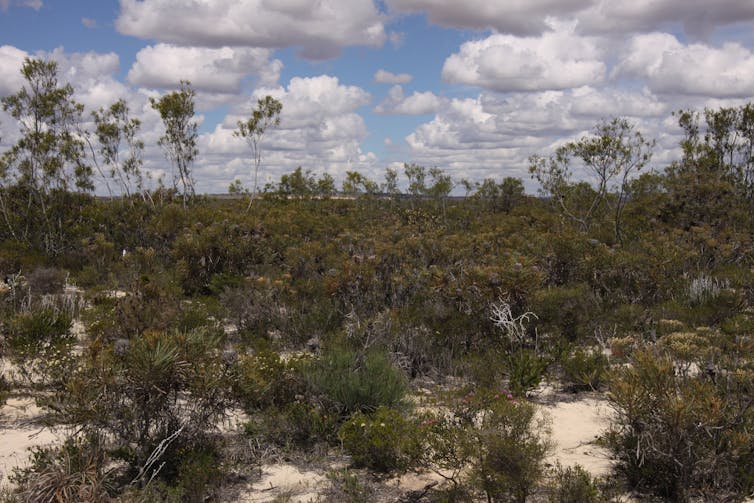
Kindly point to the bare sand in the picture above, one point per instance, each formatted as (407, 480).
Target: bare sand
(285, 480)
(575, 426)
(18, 433)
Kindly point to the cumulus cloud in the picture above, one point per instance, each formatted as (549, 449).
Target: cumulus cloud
(494, 135)
(91, 74)
(671, 67)
(418, 103)
(385, 77)
(320, 129)
(698, 17)
(557, 59)
(319, 29)
(213, 70)
(528, 17)
(11, 59)
(518, 17)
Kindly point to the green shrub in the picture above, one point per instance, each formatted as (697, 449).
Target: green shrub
(162, 385)
(585, 369)
(383, 441)
(75, 471)
(297, 425)
(39, 343)
(573, 484)
(681, 436)
(489, 441)
(358, 383)
(525, 370)
(566, 311)
(266, 380)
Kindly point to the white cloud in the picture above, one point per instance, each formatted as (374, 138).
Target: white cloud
(698, 17)
(385, 77)
(557, 59)
(494, 135)
(519, 17)
(91, 74)
(320, 130)
(89, 22)
(528, 17)
(11, 59)
(671, 67)
(212, 70)
(319, 29)
(417, 104)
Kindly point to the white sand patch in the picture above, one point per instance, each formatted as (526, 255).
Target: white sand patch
(285, 480)
(18, 434)
(575, 427)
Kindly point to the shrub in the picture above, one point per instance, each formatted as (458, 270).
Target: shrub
(679, 435)
(39, 343)
(266, 380)
(357, 383)
(383, 441)
(159, 393)
(525, 370)
(74, 471)
(585, 368)
(573, 484)
(502, 441)
(46, 280)
(295, 425)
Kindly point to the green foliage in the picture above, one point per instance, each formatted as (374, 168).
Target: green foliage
(585, 368)
(525, 370)
(564, 311)
(501, 440)
(179, 140)
(158, 386)
(75, 471)
(115, 132)
(39, 343)
(264, 116)
(679, 435)
(357, 383)
(266, 380)
(383, 441)
(37, 173)
(611, 155)
(295, 425)
(573, 484)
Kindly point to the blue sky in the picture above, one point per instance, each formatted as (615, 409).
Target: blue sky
(472, 87)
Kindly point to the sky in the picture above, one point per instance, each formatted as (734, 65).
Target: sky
(474, 87)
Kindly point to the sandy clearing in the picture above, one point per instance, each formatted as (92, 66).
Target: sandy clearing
(285, 480)
(18, 433)
(575, 427)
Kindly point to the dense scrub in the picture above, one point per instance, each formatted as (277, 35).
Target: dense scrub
(316, 315)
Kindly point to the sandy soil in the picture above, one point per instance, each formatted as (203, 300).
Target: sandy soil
(575, 426)
(18, 433)
(576, 422)
(285, 480)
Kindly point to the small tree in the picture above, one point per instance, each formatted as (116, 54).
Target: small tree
(47, 161)
(263, 117)
(356, 183)
(179, 141)
(114, 127)
(611, 155)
